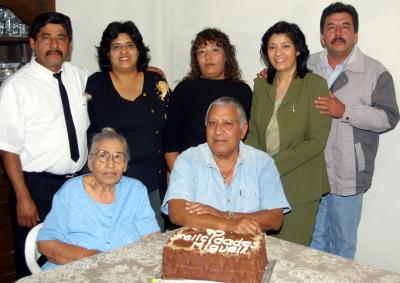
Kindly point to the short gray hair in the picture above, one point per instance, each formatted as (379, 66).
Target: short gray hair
(108, 133)
(226, 100)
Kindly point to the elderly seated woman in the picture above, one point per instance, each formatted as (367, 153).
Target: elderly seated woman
(100, 211)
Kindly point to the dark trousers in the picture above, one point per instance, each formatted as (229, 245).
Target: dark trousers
(42, 187)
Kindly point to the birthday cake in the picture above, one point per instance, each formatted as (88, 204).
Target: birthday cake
(214, 255)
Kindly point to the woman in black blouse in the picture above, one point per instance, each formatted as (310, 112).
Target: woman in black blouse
(133, 101)
(214, 73)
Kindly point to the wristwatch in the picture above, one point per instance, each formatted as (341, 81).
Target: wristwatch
(230, 214)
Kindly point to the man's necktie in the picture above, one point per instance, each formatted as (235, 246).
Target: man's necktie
(73, 143)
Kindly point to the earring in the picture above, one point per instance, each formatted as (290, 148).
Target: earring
(297, 53)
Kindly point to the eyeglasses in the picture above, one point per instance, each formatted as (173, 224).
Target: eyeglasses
(103, 156)
(120, 46)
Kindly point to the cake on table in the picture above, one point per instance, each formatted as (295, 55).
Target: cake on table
(214, 255)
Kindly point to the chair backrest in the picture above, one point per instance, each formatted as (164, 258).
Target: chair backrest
(31, 252)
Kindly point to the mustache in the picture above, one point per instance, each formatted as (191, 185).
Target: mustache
(338, 39)
(54, 51)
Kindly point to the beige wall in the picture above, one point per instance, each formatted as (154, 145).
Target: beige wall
(168, 26)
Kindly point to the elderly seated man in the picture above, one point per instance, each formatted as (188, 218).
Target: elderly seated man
(225, 184)
(99, 211)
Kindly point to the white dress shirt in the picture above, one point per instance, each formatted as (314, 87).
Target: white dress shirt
(32, 122)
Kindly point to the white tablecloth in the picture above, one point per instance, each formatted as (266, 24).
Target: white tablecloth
(140, 262)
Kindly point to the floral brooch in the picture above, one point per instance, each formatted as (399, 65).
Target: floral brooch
(163, 89)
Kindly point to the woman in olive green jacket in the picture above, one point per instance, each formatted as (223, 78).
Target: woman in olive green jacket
(285, 124)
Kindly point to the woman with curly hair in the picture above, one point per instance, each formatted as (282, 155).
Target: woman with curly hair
(214, 73)
(133, 101)
(285, 124)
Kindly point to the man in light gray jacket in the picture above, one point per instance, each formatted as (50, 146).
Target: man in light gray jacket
(363, 104)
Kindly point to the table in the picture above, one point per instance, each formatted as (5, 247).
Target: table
(141, 261)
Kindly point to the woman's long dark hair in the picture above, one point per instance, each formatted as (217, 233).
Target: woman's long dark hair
(110, 33)
(299, 40)
(231, 70)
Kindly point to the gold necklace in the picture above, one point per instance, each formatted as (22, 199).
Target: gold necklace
(226, 174)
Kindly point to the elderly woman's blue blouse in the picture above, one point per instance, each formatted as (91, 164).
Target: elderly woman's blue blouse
(75, 218)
